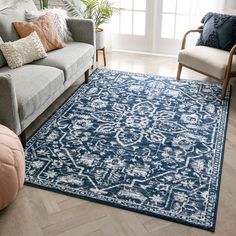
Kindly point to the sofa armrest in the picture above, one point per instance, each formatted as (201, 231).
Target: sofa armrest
(230, 59)
(9, 115)
(83, 30)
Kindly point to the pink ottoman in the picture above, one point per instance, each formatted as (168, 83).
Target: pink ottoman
(12, 166)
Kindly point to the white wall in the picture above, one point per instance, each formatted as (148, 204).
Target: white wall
(52, 3)
(4, 4)
(231, 3)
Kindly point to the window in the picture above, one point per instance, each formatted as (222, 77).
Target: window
(175, 18)
(132, 20)
(158, 26)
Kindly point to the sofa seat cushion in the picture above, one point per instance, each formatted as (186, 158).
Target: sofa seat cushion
(34, 85)
(208, 60)
(71, 59)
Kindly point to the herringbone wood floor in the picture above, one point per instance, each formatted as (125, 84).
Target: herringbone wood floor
(37, 212)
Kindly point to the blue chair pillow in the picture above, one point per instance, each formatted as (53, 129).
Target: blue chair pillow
(219, 31)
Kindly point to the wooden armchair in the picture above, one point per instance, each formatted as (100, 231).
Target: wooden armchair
(216, 63)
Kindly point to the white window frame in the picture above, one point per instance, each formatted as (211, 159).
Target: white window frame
(132, 11)
(132, 41)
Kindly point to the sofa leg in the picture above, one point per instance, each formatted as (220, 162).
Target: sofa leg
(96, 54)
(86, 74)
(23, 139)
(179, 71)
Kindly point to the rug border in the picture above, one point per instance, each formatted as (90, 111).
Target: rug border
(163, 217)
(222, 160)
(161, 76)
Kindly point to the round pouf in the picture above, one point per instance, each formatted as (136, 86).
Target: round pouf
(12, 166)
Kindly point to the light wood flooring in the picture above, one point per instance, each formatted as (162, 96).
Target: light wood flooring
(37, 212)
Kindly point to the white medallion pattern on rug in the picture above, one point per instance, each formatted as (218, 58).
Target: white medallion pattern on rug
(141, 142)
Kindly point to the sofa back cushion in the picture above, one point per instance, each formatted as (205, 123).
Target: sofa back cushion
(2, 59)
(14, 13)
(6, 4)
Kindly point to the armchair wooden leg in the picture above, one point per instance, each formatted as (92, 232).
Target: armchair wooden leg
(23, 139)
(225, 86)
(179, 71)
(86, 75)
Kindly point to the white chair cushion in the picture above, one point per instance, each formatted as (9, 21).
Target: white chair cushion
(208, 60)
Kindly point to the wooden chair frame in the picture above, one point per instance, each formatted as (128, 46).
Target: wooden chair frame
(228, 74)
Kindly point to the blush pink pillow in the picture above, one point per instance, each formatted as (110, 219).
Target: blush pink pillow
(46, 30)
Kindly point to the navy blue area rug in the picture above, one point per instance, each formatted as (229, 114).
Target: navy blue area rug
(141, 142)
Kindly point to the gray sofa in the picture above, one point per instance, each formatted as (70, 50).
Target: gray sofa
(27, 91)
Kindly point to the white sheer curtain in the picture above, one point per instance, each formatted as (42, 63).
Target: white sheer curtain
(230, 3)
(200, 7)
(108, 36)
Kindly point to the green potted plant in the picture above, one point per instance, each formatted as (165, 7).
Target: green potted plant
(100, 11)
(43, 4)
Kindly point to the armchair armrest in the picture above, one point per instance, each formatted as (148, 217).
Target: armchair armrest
(9, 115)
(230, 60)
(186, 34)
(83, 30)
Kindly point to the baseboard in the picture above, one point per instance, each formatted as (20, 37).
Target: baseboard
(145, 53)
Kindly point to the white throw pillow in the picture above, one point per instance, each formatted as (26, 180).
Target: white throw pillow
(23, 51)
(59, 17)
